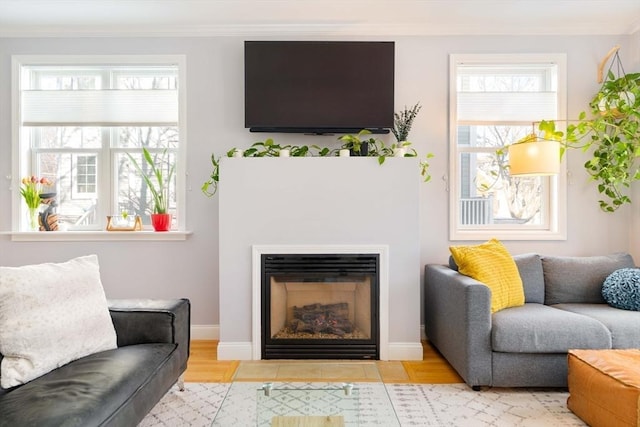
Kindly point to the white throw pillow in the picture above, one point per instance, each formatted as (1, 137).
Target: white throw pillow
(51, 314)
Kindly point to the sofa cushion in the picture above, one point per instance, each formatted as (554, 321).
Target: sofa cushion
(621, 289)
(624, 325)
(537, 328)
(579, 279)
(530, 269)
(491, 264)
(94, 390)
(51, 314)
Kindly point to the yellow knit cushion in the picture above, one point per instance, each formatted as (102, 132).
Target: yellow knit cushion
(491, 264)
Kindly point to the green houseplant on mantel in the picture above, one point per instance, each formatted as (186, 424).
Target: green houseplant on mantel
(157, 179)
(268, 148)
(402, 122)
(360, 144)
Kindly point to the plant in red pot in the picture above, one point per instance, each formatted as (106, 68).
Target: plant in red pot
(157, 177)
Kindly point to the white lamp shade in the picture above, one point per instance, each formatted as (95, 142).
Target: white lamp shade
(534, 158)
(100, 107)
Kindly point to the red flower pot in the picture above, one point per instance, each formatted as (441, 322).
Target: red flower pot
(161, 222)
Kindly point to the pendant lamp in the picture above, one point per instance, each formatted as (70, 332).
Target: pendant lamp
(534, 157)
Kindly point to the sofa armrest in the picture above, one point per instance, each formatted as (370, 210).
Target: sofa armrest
(141, 321)
(457, 312)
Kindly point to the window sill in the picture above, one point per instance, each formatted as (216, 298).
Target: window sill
(74, 236)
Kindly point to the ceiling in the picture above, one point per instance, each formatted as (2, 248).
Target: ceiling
(316, 17)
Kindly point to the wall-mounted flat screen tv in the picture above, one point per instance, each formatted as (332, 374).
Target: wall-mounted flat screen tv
(319, 86)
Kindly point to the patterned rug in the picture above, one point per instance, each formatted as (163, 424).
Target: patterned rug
(234, 405)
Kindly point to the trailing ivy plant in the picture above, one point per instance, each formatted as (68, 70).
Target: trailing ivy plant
(360, 144)
(378, 148)
(268, 148)
(611, 133)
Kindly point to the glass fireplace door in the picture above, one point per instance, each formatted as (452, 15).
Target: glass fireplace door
(320, 306)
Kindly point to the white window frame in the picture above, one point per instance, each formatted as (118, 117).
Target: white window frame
(76, 177)
(557, 188)
(21, 156)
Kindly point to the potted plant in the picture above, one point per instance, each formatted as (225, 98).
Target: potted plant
(613, 136)
(158, 184)
(32, 192)
(402, 122)
(611, 133)
(267, 148)
(356, 145)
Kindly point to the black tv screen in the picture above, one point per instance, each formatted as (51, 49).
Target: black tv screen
(318, 86)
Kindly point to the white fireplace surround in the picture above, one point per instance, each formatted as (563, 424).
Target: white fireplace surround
(256, 278)
(326, 205)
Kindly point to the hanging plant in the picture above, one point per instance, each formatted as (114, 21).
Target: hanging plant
(610, 132)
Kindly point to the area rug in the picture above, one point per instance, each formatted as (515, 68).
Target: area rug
(411, 405)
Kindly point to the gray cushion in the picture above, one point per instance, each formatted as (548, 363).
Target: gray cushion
(537, 328)
(579, 279)
(623, 324)
(530, 269)
(621, 289)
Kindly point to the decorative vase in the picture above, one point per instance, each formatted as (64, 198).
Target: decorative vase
(161, 222)
(33, 219)
(399, 152)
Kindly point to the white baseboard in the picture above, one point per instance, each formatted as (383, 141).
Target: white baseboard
(405, 351)
(234, 351)
(243, 350)
(205, 332)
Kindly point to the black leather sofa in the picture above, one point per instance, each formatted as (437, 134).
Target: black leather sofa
(114, 387)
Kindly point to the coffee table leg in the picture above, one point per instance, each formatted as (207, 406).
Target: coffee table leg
(267, 387)
(347, 387)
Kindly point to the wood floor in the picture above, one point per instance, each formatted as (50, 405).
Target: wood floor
(204, 366)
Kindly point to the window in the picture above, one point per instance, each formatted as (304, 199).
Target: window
(80, 120)
(494, 101)
(86, 174)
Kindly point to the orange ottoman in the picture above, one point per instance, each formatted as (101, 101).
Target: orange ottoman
(604, 387)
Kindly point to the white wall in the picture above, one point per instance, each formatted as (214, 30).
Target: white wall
(215, 123)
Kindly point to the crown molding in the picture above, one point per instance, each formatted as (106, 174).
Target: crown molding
(336, 29)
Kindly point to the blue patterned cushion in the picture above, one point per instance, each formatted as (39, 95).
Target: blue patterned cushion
(621, 289)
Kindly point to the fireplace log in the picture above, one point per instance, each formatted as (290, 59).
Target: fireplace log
(318, 318)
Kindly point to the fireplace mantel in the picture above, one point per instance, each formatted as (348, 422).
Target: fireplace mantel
(319, 204)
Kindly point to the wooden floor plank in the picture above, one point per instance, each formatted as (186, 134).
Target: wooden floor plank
(204, 366)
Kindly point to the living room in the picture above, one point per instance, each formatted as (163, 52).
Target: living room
(188, 263)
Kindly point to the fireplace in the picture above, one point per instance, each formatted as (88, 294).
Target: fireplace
(320, 306)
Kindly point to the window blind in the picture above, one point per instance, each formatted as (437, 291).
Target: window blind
(100, 107)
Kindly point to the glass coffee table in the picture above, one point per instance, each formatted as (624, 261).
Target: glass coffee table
(306, 405)
(334, 406)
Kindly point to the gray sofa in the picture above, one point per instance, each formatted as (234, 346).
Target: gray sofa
(526, 346)
(114, 387)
